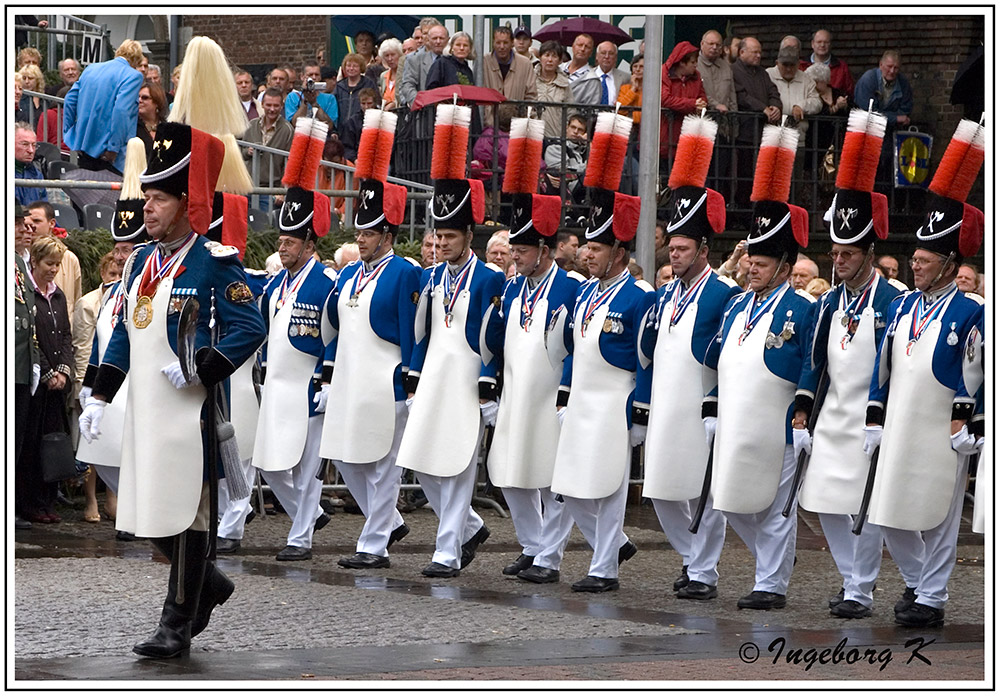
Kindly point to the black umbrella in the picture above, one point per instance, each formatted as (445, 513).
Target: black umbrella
(400, 26)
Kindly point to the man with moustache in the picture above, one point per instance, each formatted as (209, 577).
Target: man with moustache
(917, 391)
(163, 492)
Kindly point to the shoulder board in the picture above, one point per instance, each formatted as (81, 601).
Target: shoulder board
(576, 275)
(727, 280)
(413, 261)
(975, 298)
(805, 295)
(330, 273)
(898, 284)
(255, 272)
(221, 251)
(493, 267)
(644, 285)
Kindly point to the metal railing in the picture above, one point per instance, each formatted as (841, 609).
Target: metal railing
(39, 121)
(85, 41)
(731, 171)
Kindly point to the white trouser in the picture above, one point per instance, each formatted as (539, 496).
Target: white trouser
(601, 521)
(940, 547)
(233, 512)
(541, 522)
(699, 552)
(451, 499)
(108, 474)
(770, 536)
(375, 487)
(907, 551)
(298, 490)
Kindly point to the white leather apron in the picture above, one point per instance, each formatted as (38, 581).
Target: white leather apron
(835, 479)
(984, 487)
(362, 399)
(162, 464)
(527, 430)
(107, 449)
(244, 410)
(442, 431)
(593, 446)
(917, 467)
(676, 451)
(284, 407)
(753, 406)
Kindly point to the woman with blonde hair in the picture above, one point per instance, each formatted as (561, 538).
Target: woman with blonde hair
(35, 499)
(353, 66)
(32, 79)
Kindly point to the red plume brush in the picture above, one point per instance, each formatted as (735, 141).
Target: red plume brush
(383, 151)
(297, 153)
(958, 169)
(599, 144)
(451, 141)
(773, 177)
(524, 155)
(862, 148)
(694, 152)
(364, 162)
(608, 150)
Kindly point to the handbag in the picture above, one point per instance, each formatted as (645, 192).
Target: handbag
(58, 461)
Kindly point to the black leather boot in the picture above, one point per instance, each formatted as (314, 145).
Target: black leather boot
(215, 590)
(172, 637)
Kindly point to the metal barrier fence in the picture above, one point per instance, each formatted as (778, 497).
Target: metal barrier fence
(731, 172)
(85, 41)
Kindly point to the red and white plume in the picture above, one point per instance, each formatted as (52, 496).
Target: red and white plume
(451, 141)
(375, 146)
(958, 169)
(305, 154)
(608, 150)
(772, 179)
(694, 152)
(524, 155)
(862, 148)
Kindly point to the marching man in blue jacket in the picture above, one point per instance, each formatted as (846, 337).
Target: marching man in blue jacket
(163, 493)
(524, 444)
(599, 428)
(760, 353)
(372, 313)
(851, 320)
(297, 351)
(451, 382)
(917, 391)
(675, 338)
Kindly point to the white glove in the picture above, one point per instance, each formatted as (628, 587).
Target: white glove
(637, 435)
(175, 374)
(562, 415)
(321, 397)
(85, 393)
(409, 404)
(711, 423)
(873, 438)
(489, 411)
(801, 441)
(36, 377)
(90, 419)
(965, 443)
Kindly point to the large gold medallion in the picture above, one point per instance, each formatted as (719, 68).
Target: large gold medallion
(142, 316)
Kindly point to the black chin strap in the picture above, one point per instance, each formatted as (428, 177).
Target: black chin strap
(869, 257)
(949, 259)
(784, 259)
(614, 250)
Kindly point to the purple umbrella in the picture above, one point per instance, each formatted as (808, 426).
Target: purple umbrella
(568, 29)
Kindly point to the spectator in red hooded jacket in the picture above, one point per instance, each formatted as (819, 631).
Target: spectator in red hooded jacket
(682, 92)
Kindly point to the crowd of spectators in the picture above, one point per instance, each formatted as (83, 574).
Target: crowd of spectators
(563, 85)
